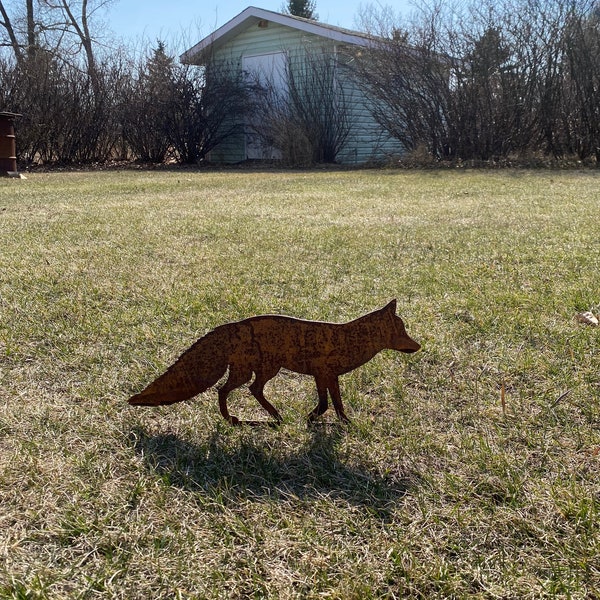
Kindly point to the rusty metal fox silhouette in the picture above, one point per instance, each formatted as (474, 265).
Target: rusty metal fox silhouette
(265, 344)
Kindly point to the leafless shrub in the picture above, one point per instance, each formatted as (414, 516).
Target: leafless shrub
(307, 122)
(64, 118)
(181, 110)
(483, 82)
(582, 84)
(488, 81)
(208, 107)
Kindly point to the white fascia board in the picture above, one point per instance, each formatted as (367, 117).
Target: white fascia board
(253, 14)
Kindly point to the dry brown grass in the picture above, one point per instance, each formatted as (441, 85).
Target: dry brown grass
(436, 491)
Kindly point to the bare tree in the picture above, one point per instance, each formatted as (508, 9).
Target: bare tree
(19, 26)
(78, 17)
(10, 36)
(62, 27)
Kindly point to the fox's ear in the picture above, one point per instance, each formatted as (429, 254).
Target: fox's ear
(391, 306)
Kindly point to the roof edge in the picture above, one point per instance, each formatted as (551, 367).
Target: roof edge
(230, 28)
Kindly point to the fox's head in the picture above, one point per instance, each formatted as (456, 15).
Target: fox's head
(398, 338)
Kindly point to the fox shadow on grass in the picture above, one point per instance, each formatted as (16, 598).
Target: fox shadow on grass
(258, 469)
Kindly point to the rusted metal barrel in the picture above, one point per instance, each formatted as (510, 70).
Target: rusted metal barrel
(8, 145)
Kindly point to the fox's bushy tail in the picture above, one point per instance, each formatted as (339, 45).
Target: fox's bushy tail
(197, 369)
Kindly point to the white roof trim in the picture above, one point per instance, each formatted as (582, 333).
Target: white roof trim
(253, 14)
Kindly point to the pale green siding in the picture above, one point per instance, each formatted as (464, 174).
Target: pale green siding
(264, 40)
(366, 141)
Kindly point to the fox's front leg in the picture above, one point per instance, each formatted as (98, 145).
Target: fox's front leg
(334, 389)
(322, 406)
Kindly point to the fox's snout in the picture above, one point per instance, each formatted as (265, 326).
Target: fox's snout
(401, 341)
(141, 400)
(404, 343)
(410, 346)
(411, 350)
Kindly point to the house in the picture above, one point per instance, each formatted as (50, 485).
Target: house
(272, 46)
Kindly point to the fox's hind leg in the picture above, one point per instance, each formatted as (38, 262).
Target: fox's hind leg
(257, 387)
(322, 406)
(237, 377)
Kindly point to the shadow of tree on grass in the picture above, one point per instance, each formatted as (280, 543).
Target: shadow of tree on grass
(257, 468)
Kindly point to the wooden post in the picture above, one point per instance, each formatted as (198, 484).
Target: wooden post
(8, 146)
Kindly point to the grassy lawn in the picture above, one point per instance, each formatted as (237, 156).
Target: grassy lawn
(471, 469)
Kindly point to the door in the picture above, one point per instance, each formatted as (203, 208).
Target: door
(270, 70)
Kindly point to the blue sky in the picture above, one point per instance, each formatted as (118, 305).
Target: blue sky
(149, 20)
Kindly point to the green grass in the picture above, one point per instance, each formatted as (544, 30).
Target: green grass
(437, 490)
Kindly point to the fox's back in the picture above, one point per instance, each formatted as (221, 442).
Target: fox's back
(300, 345)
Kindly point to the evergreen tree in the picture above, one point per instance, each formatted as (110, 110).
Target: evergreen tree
(148, 105)
(158, 74)
(302, 8)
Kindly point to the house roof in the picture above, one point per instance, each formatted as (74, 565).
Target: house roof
(253, 15)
